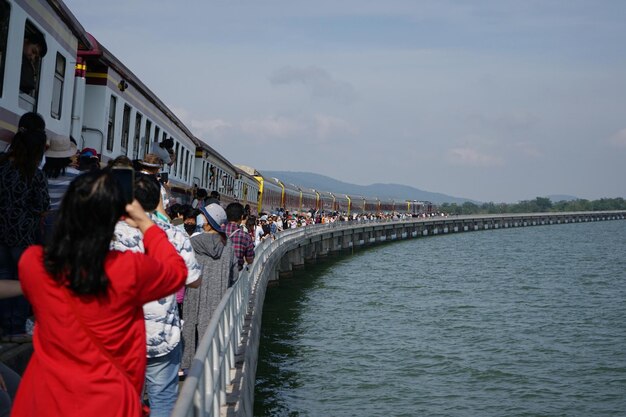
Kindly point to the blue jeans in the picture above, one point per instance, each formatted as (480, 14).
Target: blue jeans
(13, 311)
(162, 382)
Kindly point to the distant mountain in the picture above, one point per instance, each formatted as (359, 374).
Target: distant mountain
(383, 191)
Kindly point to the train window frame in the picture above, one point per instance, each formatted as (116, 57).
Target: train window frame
(148, 132)
(186, 164)
(177, 147)
(58, 82)
(180, 162)
(111, 123)
(28, 101)
(157, 132)
(125, 129)
(137, 136)
(5, 20)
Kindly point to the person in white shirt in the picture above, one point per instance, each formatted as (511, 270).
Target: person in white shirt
(164, 150)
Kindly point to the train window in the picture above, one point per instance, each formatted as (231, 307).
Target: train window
(180, 168)
(125, 129)
(57, 87)
(5, 12)
(178, 156)
(137, 137)
(166, 167)
(146, 145)
(111, 125)
(186, 164)
(33, 51)
(157, 130)
(212, 176)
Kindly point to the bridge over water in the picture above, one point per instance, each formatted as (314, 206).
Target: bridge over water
(221, 379)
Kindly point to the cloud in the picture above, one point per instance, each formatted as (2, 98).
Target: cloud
(473, 158)
(319, 127)
(272, 128)
(619, 139)
(319, 82)
(528, 149)
(205, 129)
(326, 126)
(514, 121)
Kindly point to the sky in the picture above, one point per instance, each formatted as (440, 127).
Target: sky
(492, 100)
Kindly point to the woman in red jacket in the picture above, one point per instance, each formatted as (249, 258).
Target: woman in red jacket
(89, 342)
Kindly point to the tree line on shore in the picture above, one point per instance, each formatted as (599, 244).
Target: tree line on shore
(538, 205)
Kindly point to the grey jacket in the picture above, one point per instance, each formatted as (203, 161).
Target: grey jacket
(219, 271)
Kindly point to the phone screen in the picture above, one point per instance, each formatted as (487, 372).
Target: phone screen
(126, 179)
(163, 177)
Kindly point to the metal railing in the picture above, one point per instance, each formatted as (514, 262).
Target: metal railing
(205, 389)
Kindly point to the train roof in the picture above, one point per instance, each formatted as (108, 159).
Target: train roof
(248, 170)
(64, 13)
(215, 153)
(108, 58)
(243, 172)
(99, 51)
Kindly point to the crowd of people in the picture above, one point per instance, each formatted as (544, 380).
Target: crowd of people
(107, 281)
(117, 292)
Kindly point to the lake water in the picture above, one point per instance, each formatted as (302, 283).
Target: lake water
(511, 322)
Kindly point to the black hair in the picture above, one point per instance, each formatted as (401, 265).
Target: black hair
(79, 244)
(38, 39)
(88, 163)
(174, 210)
(215, 194)
(26, 151)
(32, 121)
(251, 222)
(56, 166)
(234, 212)
(147, 191)
(201, 194)
(167, 143)
(190, 212)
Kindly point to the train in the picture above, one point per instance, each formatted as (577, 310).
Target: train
(83, 91)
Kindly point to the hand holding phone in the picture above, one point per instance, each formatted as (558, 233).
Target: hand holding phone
(125, 177)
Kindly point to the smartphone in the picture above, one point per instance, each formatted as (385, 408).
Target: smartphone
(163, 177)
(125, 177)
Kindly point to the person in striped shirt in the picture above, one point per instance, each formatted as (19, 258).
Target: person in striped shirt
(59, 173)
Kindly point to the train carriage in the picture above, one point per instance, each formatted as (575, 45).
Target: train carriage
(309, 199)
(326, 201)
(420, 208)
(297, 199)
(371, 205)
(213, 172)
(41, 79)
(248, 188)
(343, 204)
(291, 201)
(270, 194)
(119, 115)
(387, 206)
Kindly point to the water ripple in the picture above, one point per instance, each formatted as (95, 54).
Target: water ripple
(516, 322)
